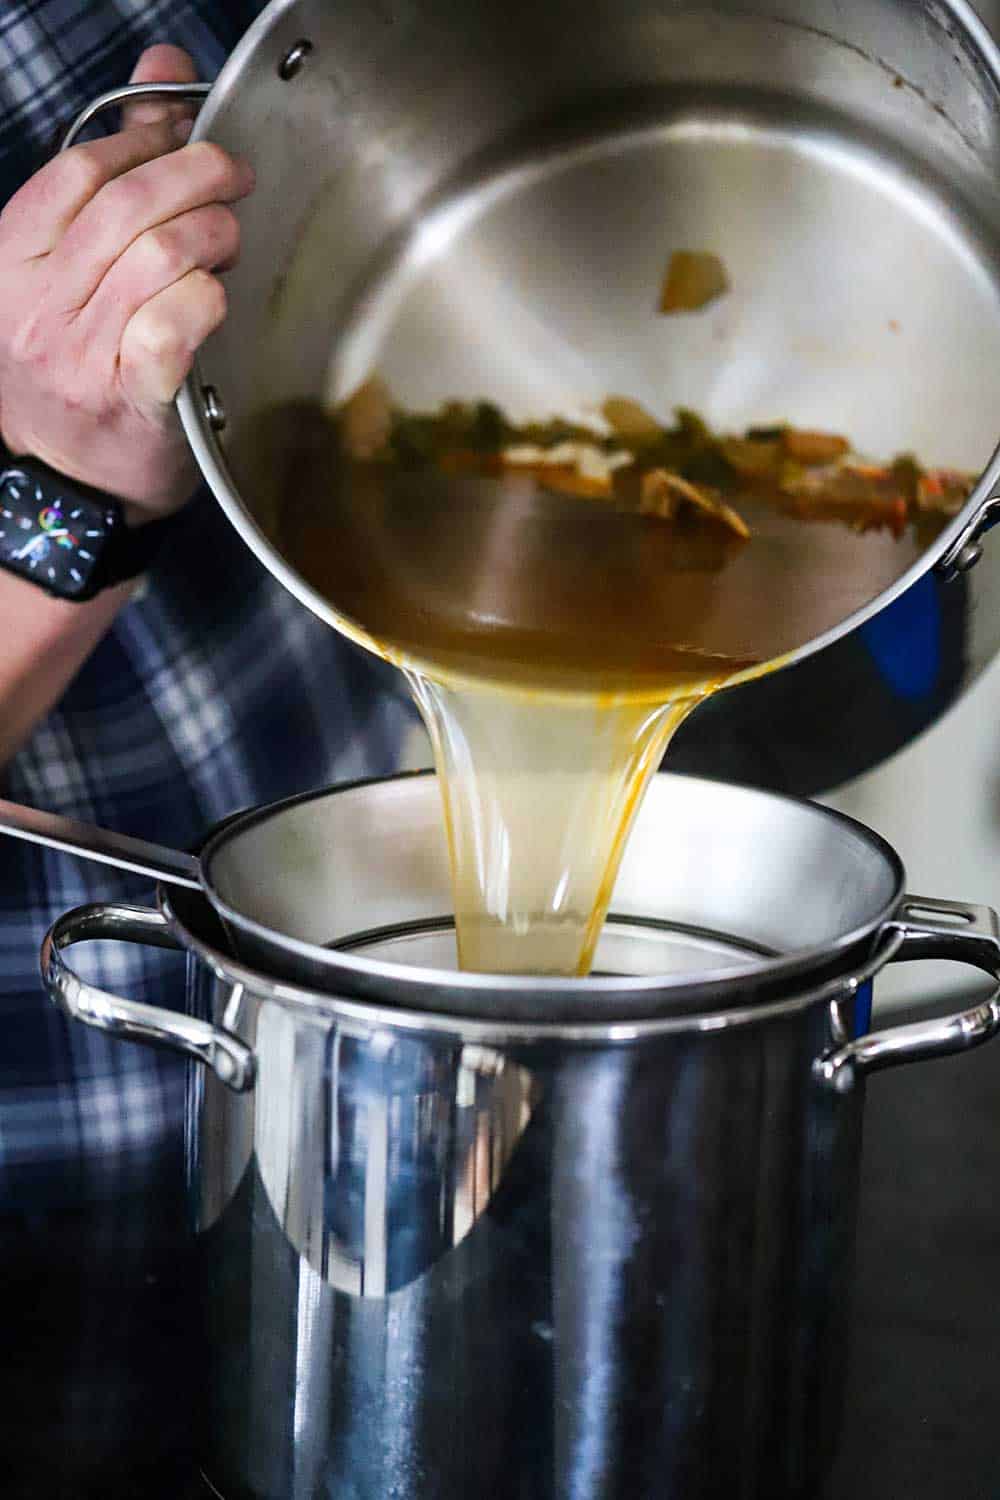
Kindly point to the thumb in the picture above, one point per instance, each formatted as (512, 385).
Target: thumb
(160, 64)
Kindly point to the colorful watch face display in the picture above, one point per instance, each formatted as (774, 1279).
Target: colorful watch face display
(51, 537)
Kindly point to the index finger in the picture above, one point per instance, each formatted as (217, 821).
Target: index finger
(42, 210)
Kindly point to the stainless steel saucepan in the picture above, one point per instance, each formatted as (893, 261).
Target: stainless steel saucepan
(478, 199)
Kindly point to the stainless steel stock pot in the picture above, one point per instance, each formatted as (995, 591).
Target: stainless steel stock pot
(471, 1235)
(473, 198)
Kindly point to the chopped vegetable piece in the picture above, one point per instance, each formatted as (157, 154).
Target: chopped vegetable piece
(814, 447)
(568, 468)
(660, 494)
(366, 420)
(943, 491)
(664, 494)
(732, 520)
(545, 434)
(867, 497)
(694, 428)
(694, 279)
(907, 472)
(630, 421)
(590, 464)
(566, 481)
(753, 458)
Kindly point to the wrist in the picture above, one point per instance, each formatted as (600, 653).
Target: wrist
(146, 490)
(66, 538)
(134, 516)
(46, 641)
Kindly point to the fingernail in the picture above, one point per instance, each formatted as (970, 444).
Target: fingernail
(181, 130)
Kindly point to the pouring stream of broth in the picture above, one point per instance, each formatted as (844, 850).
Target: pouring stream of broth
(560, 602)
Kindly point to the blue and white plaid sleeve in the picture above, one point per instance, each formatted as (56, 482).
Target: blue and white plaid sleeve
(213, 692)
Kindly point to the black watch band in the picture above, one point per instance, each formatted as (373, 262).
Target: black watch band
(69, 539)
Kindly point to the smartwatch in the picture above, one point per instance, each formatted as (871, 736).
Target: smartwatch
(65, 537)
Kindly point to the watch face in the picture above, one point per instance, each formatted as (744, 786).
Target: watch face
(51, 537)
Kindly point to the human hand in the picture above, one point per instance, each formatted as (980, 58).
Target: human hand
(108, 286)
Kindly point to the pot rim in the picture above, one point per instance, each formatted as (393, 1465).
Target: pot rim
(368, 1016)
(212, 463)
(564, 1001)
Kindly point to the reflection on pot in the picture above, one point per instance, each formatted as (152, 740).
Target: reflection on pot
(377, 1152)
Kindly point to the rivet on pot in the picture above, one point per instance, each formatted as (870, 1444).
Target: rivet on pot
(968, 557)
(215, 412)
(293, 59)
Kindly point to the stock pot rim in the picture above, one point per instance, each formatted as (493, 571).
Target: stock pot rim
(514, 1000)
(366, 1016)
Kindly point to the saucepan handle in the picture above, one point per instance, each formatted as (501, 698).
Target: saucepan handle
(230, 1060)
(928, 928)
(129, 93)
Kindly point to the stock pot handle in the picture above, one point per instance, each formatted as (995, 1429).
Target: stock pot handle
(928, 928)
(230, 1060)
(132, 91)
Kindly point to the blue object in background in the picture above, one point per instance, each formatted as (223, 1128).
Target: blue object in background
(905, 640)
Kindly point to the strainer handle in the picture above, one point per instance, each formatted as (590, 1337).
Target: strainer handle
(230, 1060)
(129, 92)
(929, 928)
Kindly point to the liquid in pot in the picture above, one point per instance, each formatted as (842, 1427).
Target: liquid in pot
(553, 645)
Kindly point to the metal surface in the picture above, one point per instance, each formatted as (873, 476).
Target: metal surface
(966, 550)
(565, 1262)
(100, 844)
(462, 159)
(128, 94)
(821, 892)
(288, 881)
(690, 943)
(967, 933)
(131, 1020)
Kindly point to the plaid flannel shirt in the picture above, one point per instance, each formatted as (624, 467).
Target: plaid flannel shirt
(213, 692)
